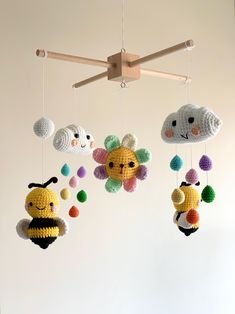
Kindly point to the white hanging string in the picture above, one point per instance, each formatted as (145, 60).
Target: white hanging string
(43, 113)
(177, 172)
(188, 81)
(123, 17)
(191, 156)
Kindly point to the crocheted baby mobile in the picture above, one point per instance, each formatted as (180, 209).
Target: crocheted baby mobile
(190, 124)
(186, 200)
(121, 163)
(42, 204)
(74, 139)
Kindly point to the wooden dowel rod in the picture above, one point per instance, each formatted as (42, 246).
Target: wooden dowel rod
(61, 56)
(184, 45)
(167, 75)
(90, 79)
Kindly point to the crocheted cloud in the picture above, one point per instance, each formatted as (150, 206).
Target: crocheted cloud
(74, 139)
(190, 124)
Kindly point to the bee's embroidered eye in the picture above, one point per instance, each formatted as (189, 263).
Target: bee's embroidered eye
(131, 164)
(191, 120)
(88, 137)
(111, 164)
(174, 123)
(76, 135)
(51, 203)
(30, 204)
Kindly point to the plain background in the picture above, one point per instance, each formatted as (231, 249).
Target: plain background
(123, 254)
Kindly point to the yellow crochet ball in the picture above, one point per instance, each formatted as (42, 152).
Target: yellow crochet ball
(65, 194)
(192, 199)
(177, 196)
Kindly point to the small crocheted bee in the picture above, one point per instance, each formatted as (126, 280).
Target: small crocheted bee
(186, 201)
(121, 163)
(42, 204)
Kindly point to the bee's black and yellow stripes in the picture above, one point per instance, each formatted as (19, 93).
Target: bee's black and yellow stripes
(43, 231)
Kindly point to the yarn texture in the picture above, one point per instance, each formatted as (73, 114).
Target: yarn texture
(42, 204)
(190, 124)
(44, 128)
(74, 139)
(120, 163)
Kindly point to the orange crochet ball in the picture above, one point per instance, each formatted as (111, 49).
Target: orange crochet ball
(73, 212)
(192, 216)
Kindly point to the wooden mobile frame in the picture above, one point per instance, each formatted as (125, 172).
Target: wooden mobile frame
(122, 67)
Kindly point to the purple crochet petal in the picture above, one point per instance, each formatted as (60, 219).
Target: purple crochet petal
(142, 172)
(100, 172)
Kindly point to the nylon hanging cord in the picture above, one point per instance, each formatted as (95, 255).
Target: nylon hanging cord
(123, 17)
(43, 113)
(188, 81)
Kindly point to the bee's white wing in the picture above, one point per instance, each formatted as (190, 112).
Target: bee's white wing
(22, 228)
(63, 226)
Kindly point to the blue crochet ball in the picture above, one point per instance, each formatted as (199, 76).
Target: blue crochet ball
(176, 163)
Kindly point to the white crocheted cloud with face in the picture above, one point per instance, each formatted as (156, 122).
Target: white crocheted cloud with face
(74, 139)
(190, 124)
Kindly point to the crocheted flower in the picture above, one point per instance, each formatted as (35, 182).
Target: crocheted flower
(121, 163)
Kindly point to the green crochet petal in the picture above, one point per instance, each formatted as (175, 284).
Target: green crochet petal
(113, 185)
(111, 142)
(143, 155)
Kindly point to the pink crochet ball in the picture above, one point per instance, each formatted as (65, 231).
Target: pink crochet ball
(191, 176)
(205, 163)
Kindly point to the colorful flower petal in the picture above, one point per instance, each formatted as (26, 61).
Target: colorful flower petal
(130, 141)
(130, 185)
(100, 172)
(100, 155)
(111, 142)
(143, 155)
(142, 172)
(113, 185)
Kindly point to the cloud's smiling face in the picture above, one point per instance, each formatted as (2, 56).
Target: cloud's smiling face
(74, 139)
(190, 124)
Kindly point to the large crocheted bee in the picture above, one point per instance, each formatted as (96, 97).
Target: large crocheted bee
(186, 201)
(121, 163)
(42, 204)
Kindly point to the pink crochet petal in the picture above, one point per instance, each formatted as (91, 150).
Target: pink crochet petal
(100, 155)
(142, 172)
(130, 184)
(100, 172)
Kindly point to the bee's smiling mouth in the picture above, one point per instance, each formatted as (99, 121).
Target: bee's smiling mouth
(184, 136)
(40, 208)
(82, 146)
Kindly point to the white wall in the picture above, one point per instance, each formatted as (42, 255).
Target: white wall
(123, 255)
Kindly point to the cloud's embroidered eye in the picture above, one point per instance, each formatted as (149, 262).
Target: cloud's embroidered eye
(30, 204)
(131, 164)
(51, 204)
(174, 123)
(76, 135)
(111, 164)
(191, 120)
(88, 137)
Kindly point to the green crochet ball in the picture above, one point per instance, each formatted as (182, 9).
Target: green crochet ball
(208, 194)
(82, 196)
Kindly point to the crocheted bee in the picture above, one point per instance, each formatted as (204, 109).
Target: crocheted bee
(121, 163)
(42, 204)
(186, 201)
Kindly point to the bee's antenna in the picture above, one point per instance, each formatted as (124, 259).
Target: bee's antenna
(53, 179)
(44, 185)
(185, 184)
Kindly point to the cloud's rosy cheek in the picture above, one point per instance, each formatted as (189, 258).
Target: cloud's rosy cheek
(169, 133)
(74, 142)
(196, 130)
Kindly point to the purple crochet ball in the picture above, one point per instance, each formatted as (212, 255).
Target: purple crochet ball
(191, 176)
(81, 172)
(205, 163)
